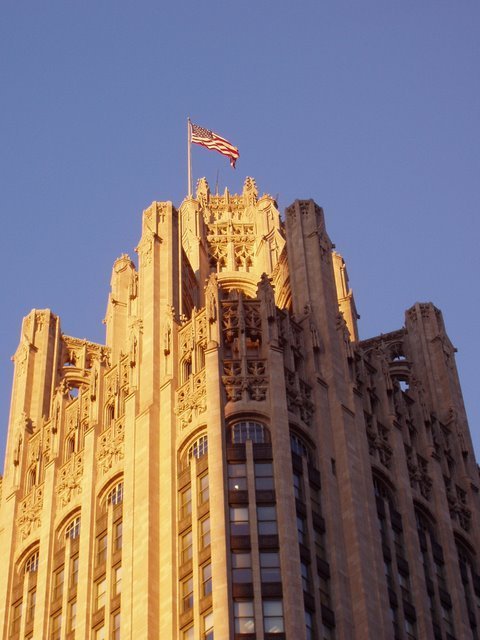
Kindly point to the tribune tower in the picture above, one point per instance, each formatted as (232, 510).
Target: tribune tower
(233, 463)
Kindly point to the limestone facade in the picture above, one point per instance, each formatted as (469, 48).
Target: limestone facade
(234, 463)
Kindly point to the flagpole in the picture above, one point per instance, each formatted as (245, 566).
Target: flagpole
(189, 157)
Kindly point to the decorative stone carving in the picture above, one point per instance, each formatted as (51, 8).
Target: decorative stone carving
(378, 444)
(191, 400)
(29, 512)
(110, 447)
(69, 482)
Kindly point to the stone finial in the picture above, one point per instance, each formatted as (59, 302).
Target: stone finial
(203, 191)
(250, 191)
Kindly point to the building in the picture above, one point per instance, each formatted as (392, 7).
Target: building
(234, 463)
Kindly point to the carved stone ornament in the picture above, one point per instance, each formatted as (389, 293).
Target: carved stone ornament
(111, 447)
(30, 509)
(191, 400)
(69, 482)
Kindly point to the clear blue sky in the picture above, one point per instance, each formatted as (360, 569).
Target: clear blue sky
(371, 107)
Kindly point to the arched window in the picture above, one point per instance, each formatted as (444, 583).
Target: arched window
(298, 446)
(198, 449)
(72, 530)
(115, 495)
(70, 446)
(248, 430)
(31, 564)
(109, 415)
(31, 478)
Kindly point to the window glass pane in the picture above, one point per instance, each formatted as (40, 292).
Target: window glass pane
(273, 616)
(241, 567)
(237, 477)
(239, 525)
(267, 520)
(203, 495)
(185, 502)
(270, 567)
(204, 533)
(206, 579)
(186, 547)
(244, 618)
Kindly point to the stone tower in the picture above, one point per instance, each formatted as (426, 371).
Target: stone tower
(234, 463)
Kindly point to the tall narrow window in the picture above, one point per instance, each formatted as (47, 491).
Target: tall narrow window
(239, 525)
(56, 627)
(102, 544)
(186, 547)
(203, 489)
(270, 566)
(244, 616)
(116, 626)
(16, 618)
(72, 615)
(301, 530)
(264, 476)
(118, 540)
(237, 477)
(74, 571)
(206, 579)
(241, 567)
(208, 626)
(273, 616)
(100, 593)
(58, 578)
(117, 580)
(204, 533)
(185, 503)
(267, 520)
(32, 600)
(187, 594)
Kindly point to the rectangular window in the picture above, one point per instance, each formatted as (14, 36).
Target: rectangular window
(241, 567)
(270, 567)
(203, 489)
(298, 486)
(16, 617)
(117, 580)
(100, 593)
(116, 626)
(267, 520)
(208, 626)
(273, 616)
(244, 616)
(206, 579)
(188, 634)
(315, 500)
(185, 503)
(74, 571)
(56, 627)
(239, 525)
(72, 615)
(100, 633)
(204, 533)
(237, 477)
(264, 476)
(305, 570)
(187, 594)
(32, 600)
(102, 542)
(319, 539)
(118, 540)
(325, 596)
(301, 530)
(186, 547)
(58, 579)
(309, 625)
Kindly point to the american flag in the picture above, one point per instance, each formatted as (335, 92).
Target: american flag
(211, 140)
